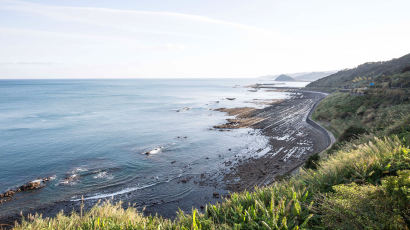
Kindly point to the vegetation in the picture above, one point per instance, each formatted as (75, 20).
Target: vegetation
(380, 113)
(376, 207)
(362, 75)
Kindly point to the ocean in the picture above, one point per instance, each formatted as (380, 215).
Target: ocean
(91, 137)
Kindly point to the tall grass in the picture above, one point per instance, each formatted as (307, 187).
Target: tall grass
(288, 204)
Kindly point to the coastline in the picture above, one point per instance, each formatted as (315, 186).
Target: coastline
(293, 137)
(256, 175)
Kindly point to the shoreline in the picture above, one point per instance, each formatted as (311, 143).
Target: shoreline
(293, 137)
(248, 179)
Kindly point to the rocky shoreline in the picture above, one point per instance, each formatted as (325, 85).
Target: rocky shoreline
(293, 137)
(31, 185)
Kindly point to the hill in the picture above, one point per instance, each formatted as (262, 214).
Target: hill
(284, 77)
(311, 76)
(304, 76)
(363, 75)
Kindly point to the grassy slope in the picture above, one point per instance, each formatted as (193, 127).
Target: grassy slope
(377, 112)
(362, 75)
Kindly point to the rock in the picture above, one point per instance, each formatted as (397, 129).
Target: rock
(173, 162)
(9, 193)
(183, 109)
(32, 185)
(215, 195)
(70, 179)
(262, 171)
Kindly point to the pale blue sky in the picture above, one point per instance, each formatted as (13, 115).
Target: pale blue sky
(225, 38)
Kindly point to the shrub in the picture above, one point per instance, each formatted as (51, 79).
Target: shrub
(367, 206)
(351, 133)
(312, 161)
(397, 190)
(365, 163)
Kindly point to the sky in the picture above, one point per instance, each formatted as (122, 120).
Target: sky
(186, 38)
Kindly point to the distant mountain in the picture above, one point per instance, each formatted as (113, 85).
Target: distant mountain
(362, 75)
(305, 76)
(284, 77)
(311, 76)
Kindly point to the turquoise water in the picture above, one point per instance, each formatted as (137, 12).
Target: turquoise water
(98, 130)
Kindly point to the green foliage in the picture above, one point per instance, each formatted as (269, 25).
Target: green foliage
(351, 133)
(362, 75)
(397, 188)
(312, 162)
(401, 128)
(280, 206)
(380, 114)
(367, 206)
(364, 163)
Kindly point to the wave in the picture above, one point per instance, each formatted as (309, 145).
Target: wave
(102, 175)
(124, 191)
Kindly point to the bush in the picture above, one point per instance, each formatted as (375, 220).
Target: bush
(397, 189)
(365, 163)
(367, 206)
(351, 133)
(312, 161)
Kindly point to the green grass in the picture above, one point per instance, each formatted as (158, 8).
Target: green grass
(374, 112)
(375, 207)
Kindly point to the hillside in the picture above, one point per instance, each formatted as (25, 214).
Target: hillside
(363, 75)
(311, 76)
(284, 77)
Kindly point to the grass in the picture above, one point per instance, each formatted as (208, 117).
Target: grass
(357, 206)
(374, 112)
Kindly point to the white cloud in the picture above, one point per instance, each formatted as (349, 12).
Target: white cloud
(105, 42)
(110, 17)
